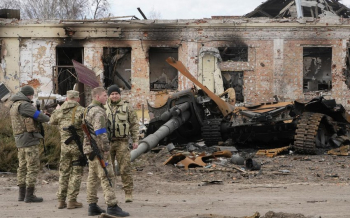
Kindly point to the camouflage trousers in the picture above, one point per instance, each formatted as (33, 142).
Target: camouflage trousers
(97, 176)
(70, 173)
(121, 152)
(28, 166)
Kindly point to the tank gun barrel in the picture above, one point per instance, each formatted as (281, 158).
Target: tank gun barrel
(180, 115)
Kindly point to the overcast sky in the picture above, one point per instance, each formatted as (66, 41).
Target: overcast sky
(187, 9)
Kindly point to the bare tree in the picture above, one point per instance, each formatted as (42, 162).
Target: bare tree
(153, 14)
(40, 9)
(73, 9)
(100, 8)
(10, 4)
(58, 9)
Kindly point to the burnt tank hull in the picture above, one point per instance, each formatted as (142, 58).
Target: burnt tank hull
(305, 124)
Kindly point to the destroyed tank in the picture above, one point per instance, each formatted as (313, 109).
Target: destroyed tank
(201, 115)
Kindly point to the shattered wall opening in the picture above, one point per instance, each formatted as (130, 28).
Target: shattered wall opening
(117, 67)
(162, 75)
(1, 52)
(317, 70)
(64, 72)
(309, 8)
(234, 53)
(234, 79)
(347, 70)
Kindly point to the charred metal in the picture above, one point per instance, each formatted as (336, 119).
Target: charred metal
(306, 125)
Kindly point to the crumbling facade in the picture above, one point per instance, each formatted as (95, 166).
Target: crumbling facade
(261, 57)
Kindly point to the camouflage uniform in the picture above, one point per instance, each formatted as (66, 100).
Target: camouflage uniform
(95, 119)
(25, 120)
(125, 124)
(71, 169)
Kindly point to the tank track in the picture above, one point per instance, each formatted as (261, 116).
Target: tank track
(211, 131)
(306, 133)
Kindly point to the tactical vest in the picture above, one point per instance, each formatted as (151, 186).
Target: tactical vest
(21, 124)
(118, 122)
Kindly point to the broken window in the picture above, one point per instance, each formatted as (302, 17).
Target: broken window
(117, 67)
(162, 75)
(347, 70)
(65, 75)
(317, 69)
(234, 53)
(234, 79)
(1, 52)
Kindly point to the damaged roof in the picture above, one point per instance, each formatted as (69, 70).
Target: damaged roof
(287, 8)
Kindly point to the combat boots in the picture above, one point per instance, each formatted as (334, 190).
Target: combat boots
(116, 211)
(21, 193)
(128, 196)
(94, 210)
(30, 197)
(62, 204)
(74, 204)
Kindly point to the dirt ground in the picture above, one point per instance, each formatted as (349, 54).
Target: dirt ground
(288, 186)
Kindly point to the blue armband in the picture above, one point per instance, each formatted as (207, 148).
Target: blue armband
(100, 131)
(36, 115)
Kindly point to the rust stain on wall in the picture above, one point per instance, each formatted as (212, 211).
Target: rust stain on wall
(34, 83)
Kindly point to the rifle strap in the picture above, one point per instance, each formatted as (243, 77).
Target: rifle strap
(86, 122)
(73, 114)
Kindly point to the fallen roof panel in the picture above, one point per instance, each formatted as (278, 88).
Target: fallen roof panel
(85, 75)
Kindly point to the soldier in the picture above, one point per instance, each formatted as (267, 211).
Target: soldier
(69, 117)
(25, 120)
(122, 124)
(98, 148)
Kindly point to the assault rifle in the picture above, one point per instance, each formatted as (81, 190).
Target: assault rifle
(74, 136)
(96, 150)
(41, 127)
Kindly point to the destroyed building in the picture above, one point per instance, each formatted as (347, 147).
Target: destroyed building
(284, 48)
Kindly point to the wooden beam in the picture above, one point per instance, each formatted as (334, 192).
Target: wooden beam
(340, 10)
(287, 7)
(264, 13)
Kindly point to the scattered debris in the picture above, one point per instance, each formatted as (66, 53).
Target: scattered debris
(105, 215)
(316, 201)
(236, 159)
(256, 215)
(175, 159)
(206, 182)
(252, 164)
(272, 152)
(170, 147)
(189, 163)
(342, 151)
(199, 161)
(284, 171)
(156, 150)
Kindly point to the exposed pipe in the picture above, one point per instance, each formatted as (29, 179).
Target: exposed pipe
(143, 15)
(299, 9)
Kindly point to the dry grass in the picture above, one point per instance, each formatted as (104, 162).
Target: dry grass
(52, 146)
(8, 150)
